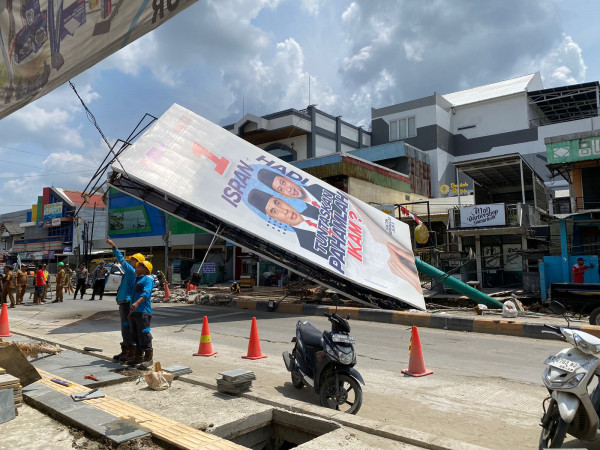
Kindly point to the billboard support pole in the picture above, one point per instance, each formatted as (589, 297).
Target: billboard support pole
(166, 239)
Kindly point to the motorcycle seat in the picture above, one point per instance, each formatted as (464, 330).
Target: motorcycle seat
(310, 334)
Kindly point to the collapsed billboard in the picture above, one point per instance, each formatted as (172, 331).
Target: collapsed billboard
(200, 172)
(44, 43)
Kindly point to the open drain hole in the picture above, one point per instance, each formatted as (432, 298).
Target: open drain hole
(274, 429)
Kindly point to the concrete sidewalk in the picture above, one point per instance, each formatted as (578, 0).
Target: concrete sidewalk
(118, 424)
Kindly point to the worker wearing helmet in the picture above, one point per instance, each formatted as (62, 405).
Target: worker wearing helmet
(124, 300)
(60, 281)
(141, 316)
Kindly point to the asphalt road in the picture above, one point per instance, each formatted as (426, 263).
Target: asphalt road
(485, 389)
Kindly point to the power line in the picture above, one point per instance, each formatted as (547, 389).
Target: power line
(47, 175)
(39, 154)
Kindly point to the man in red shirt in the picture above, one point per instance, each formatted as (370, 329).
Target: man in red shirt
(579, 270)
(40, 284)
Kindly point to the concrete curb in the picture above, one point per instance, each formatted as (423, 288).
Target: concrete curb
(487, 325)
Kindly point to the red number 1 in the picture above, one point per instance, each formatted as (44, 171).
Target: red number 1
(221, 163)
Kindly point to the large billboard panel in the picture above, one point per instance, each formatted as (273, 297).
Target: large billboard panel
(203, 165)
(44, 43)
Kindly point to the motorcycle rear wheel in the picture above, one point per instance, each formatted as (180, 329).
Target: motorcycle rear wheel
(348, 396)
(554, 428)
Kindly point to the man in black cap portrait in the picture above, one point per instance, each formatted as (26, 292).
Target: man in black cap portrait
(283, 185)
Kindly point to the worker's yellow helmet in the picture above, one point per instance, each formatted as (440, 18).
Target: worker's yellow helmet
(138, 257)
(148, 265)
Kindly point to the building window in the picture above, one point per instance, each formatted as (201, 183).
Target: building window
(402, 128)
(282, 151)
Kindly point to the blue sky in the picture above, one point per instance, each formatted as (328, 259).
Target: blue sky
(221, 54)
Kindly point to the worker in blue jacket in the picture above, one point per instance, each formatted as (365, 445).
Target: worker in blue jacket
(124, 301)
(141, 316)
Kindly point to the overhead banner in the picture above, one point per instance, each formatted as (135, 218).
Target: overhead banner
(44, 43)
(491, 215)
(202, 164)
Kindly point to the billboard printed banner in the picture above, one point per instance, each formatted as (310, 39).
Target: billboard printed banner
(206, 166)
(44, 43)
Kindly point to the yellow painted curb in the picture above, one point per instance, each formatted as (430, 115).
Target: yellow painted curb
(412, 319)
(498, 326)
(344, 311)
(245, 304)
(291, 308)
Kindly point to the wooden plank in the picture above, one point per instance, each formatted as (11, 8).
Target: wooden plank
(163, 428)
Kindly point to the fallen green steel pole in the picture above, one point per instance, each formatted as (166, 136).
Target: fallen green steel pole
(457, 285)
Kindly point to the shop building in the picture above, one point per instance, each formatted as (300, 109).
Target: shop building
(511, 116)
(504, 229)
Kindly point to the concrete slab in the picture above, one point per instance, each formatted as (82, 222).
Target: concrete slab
(75, 366)
(7, 405)
(82, 416)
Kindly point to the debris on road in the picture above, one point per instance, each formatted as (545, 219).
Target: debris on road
(235, 381)
(92, 349)
(32, 350)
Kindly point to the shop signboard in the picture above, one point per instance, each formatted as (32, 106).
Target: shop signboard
(209, 267)
(283, 213)
(492, 215)
(584, 149)
(52, 214)
(44, 43)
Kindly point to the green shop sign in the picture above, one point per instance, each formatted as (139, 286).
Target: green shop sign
(573, 151)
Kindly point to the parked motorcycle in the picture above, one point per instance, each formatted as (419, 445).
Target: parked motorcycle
(325, 362)
(574, 403)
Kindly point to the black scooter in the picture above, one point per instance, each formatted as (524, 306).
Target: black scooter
(325, 361)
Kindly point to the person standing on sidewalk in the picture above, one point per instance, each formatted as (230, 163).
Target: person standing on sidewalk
(40, 286)
(141, 316)
(82, 278)
(60, 280)
(46, 282)
(21, 284)
(99, 276)
(124, 301)
(68, 279)
(7, 286)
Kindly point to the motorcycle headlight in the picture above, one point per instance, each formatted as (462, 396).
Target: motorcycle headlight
(345, 355)
(566, 384)
(581, 343)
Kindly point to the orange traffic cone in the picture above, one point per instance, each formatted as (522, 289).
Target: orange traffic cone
(416, 364)
(167, 292)
(254, 344)
(205, 348)
(190, 287)
(4, 329)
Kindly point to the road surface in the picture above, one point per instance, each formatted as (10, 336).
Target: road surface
(485, 390)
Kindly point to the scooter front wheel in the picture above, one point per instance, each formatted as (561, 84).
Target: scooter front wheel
(345, 397)
(554, 428)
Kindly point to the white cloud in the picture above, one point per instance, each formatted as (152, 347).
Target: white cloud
(351, 12)
(311, 6)
(563, 64)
